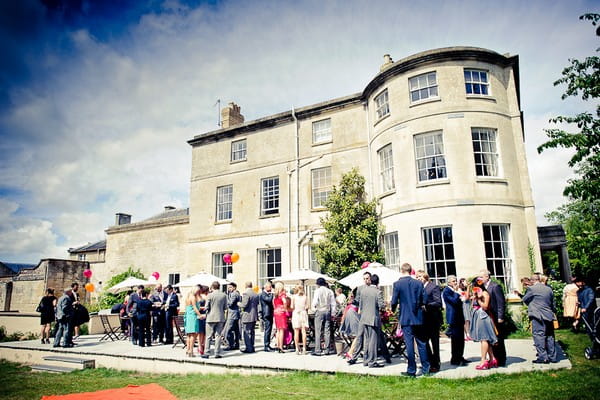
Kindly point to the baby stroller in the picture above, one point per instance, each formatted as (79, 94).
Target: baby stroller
(593, 332)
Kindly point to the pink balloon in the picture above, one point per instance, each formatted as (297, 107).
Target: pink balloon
(365, 264)
(87, 273)
(156, 275)
(227, 258)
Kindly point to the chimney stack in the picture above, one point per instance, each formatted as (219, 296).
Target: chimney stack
(387, 62)
(231, 116)
(123, 219)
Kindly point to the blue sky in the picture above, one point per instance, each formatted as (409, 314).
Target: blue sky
(98, 98)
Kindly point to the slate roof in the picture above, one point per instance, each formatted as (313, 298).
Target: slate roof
(16, 267)
(101, 245)
(177, 212)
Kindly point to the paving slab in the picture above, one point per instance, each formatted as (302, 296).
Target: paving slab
(124, 355)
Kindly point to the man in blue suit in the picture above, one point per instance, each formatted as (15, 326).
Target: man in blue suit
(408, 293)
(586, 299)
(171, 306)
(456, 321)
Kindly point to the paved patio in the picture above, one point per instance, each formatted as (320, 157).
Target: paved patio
(122, 355)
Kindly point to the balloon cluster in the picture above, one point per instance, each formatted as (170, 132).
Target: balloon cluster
(231, 258)
(87, 273)
(89, 287)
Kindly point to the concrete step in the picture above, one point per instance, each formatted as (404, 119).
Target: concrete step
(82, 362)
(51, 368)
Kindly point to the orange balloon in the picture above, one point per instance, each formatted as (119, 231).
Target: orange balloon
(255, 288)
(89, 287)
(235, 257)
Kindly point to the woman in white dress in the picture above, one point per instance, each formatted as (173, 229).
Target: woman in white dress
(299, 318)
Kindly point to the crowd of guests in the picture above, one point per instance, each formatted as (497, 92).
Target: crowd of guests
(475, 310)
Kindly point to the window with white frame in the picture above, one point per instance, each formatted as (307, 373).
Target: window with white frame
(429, 150)
(224, 203)
(476, 82)
(81, 256)
(312, 255)
(382, 105)
(497, 254)
(321, 131)
(485, 151)
(219, 268)
(269, 265)
(269, 199)
(321, 186)
(238, 150)
(173, 279)
(386, 168)
(438, 246)
(423, 87)
(392, 250)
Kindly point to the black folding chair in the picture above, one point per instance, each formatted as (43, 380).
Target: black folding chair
(109, 332)
(180, 328)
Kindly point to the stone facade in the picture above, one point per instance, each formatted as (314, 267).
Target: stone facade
(412, 133)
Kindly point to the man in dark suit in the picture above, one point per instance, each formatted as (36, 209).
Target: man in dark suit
(432, 319)
(249, 307)
(408, 294)
(159, 298)
(370, 301)
(540, 301)
(232, 324)
(496, 309)
(216, 305)
(456, 320)
(133, 299)
(586, 299)
(171, 306)
(265, 311)
(141, 311)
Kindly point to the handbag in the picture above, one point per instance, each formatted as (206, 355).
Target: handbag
(39, 308)
(555, 322)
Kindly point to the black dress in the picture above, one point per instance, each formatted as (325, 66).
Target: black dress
(47, 310)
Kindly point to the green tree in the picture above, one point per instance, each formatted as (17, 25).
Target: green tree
(580, 216)
(352, 229)
(107, 300)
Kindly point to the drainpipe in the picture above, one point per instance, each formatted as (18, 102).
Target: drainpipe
(289, 208)
(366, 106)
(297, 137)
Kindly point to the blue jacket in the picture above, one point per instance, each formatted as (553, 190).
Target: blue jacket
(454, 308)
(586, 299)
(408, 293)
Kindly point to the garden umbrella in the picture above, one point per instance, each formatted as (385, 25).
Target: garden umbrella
(130, 283)
(305, 276)
(202, 278)
(387, 276)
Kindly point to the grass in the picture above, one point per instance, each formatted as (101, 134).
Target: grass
(582, 382)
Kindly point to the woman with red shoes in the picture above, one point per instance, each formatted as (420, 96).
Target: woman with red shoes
(482, 326)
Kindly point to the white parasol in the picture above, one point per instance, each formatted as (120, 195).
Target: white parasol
(304, 276)
(387, 276)
(130, 283)
(202, 278)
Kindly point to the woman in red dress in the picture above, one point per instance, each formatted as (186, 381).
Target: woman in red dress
(280, 308)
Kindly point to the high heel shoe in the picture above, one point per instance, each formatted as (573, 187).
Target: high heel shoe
(280, 351)
(494, 363)
(485, 365)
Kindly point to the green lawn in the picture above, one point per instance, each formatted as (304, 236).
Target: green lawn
(581, 382)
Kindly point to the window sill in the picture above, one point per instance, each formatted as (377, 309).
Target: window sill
(238, 161)
(426, 101)
(321, 143)
(268, 216)
(386, 194)
(491, 179)
(433, 182)
(318, 209)
(482, 97)
(227, 221)
(382, 118)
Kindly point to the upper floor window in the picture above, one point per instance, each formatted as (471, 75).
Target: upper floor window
(225, 203)
(269, 199)
(497, 253)
(382, 105)
(423, 87)
(81, 257)
(386, 168)
(321, 186)
(238, 150)
(321, 131)
(438, 246)
(392, 250)
(485, 151)
(476, 82)
(269, 265)
(429, 149)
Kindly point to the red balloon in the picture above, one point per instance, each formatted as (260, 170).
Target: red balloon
(365, 265)
(227, 258)
(87, 273)
(156, 275)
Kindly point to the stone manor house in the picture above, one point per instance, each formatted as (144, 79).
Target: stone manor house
(437, 135)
